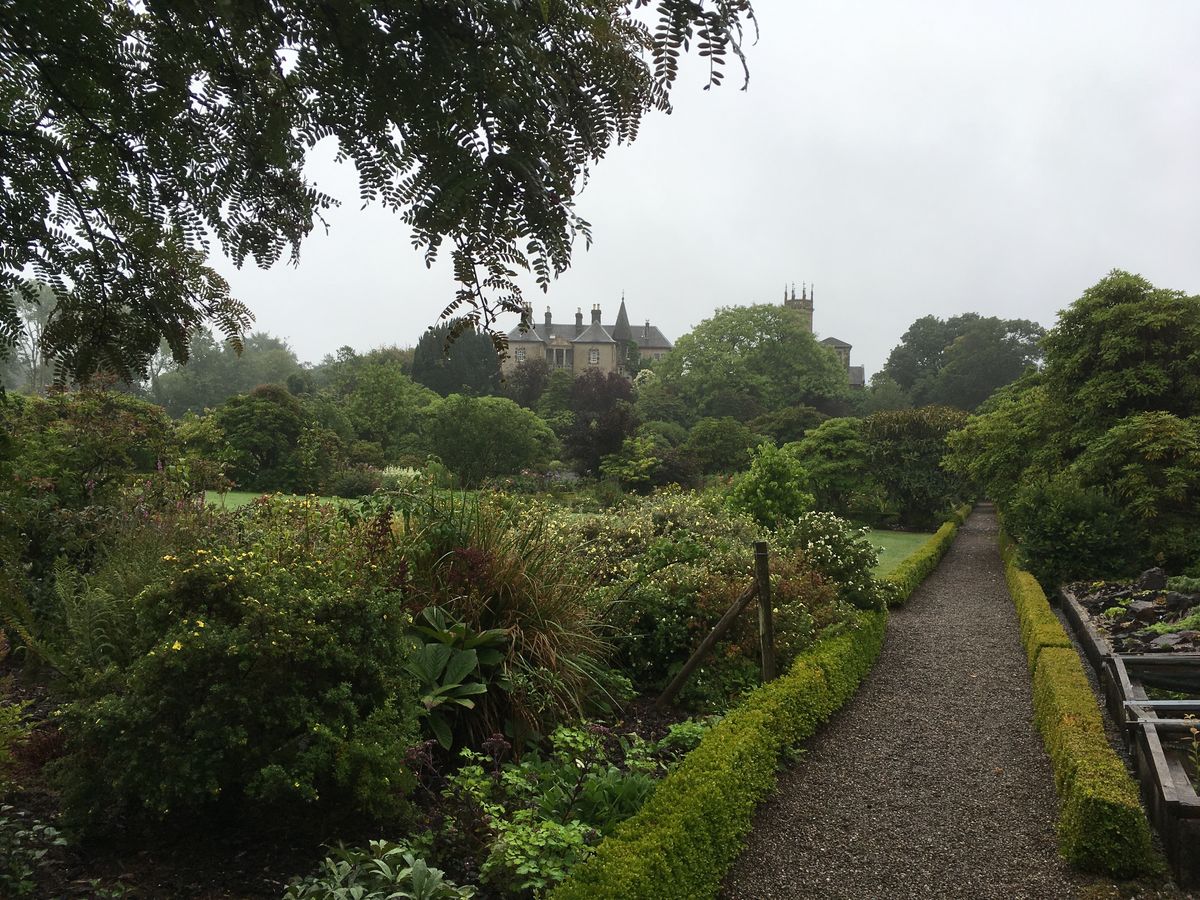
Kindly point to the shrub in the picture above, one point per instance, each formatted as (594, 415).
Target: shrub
(842, 554)
(771, 492)
(266, 669)
(353, 483)
(1066, 531)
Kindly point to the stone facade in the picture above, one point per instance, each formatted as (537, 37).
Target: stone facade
(577, 347)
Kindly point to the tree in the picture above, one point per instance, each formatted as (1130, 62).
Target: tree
(721, 445)
(482, 437)
(134, 131)
(263, 430)
(527, 382)
(468, 366)
(1125, 347)
(836, 460)
(1094, 459)
(745, 361)
(384, 407)
(216, 371)
(959, 361)
(29, 370)
(906, 451)
(602, 406)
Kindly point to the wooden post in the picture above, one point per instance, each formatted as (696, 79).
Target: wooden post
(766, 624)
(719, 629)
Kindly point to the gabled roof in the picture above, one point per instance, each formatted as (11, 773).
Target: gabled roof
(593, 334)
(835, 342)
(649, 336)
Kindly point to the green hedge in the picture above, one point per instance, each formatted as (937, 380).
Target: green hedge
(907, 576)
(680, 844)
(1102, 827)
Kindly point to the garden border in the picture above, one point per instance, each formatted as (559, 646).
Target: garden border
(690, 831)
(1102, 826)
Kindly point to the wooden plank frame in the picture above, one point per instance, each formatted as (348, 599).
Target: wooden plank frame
(1168, 793)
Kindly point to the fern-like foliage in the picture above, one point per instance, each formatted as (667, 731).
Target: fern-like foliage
(133, 132)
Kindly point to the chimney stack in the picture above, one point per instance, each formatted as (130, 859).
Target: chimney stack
(578, 321)
(646, 330)
(596, 314)
(549, 318)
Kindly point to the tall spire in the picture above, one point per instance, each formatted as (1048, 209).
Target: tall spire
(621, 332)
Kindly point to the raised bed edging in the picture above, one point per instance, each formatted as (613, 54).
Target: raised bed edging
(1166, 789)
(683, 841)
(1102, 826)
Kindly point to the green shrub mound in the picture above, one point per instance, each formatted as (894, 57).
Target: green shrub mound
(683, 840)
(1102, 827)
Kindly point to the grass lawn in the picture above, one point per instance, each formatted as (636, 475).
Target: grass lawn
(234, 499)
(896, 546)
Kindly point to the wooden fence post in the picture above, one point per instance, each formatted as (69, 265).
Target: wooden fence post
(719, 629)
(766, 624)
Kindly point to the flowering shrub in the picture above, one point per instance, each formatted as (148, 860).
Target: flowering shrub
(669, 567)
(772, 491)
(840, 552)
(257, 670)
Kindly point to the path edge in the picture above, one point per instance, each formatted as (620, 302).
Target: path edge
(681, 843)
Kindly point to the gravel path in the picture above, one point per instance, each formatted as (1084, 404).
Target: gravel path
(932, 781)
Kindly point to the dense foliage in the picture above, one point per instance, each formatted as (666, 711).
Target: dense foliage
(135, 133)
(959, 361)
(1094, 460)
(747, 361)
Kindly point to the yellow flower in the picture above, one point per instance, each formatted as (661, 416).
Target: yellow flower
(199, 624)
(177, 646)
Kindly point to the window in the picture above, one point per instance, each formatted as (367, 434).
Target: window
(520, 354)
(594, 356)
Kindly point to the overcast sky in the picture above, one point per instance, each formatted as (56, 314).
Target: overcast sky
(910, 157)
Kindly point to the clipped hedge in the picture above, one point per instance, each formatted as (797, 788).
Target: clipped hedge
(680, 844)
(907, 576)
(1102, 827)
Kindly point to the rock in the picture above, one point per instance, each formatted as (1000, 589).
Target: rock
(1177, 602)
(1167, 641)
(1152, 580)
(1143, 611)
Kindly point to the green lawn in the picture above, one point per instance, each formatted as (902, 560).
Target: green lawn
(234, 499)
(896, 546)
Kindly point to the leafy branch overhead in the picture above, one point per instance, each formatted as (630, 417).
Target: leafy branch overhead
(135, 134)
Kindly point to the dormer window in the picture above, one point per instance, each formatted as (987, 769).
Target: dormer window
(594, 356)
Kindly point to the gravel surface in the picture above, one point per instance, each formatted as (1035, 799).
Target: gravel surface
(932, 781)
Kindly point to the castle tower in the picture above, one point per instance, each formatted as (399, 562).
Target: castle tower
(802, 304)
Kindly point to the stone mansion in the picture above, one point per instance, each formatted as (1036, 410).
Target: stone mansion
(578, 347)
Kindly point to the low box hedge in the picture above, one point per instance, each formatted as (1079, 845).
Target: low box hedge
(1102, 826)
(907, 576)
(680, 844)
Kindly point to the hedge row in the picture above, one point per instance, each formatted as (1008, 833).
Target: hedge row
(907, 576)
(1102, 827)
(683, 840)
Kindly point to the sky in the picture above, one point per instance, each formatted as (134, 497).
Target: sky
(907, 158)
